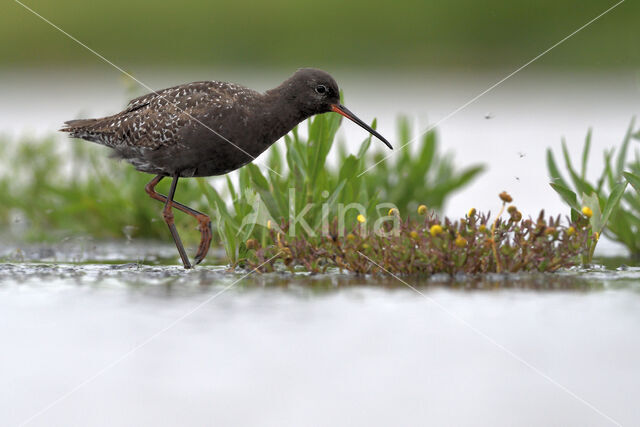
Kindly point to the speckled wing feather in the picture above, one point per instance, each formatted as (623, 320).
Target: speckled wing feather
(155, 120)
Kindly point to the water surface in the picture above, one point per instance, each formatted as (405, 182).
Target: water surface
(135, 344)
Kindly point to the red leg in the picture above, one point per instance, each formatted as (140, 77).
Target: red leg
(204, 222)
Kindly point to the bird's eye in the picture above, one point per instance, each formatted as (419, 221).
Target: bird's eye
(321, 89)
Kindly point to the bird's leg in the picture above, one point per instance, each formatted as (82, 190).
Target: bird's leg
(204, 222)
(167, 214)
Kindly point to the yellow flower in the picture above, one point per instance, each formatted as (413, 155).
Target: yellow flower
(472, 212)
(571, 231)
(365, 246)
(361, 219)
(350, 236)
(596, 236)
(586, 211)
(414, 235)
(422, 210)
(435, 230)
(393, 211)
(460, 242)
(482, 228)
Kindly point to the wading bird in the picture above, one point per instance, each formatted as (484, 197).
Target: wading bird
(208, 128)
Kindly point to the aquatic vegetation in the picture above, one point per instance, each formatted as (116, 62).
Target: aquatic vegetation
(429, 245)
(54, 193)
(314, 215)
(609, 206)
(51, 189)
(307, 192)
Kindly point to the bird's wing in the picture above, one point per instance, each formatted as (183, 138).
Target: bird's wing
(156, 119)
(175, 94)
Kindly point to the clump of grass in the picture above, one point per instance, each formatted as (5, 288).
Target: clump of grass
(428, 245)
(611, 209)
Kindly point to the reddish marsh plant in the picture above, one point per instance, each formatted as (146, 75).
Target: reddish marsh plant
(429, 245)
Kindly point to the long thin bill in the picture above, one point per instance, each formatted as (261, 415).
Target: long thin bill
(341, 109)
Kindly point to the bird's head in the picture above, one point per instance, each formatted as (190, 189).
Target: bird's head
(314, 91)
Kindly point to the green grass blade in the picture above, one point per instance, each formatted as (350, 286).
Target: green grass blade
(257, 177)
(634, 180)
(554, 172)
(231, 188)
(608, 170)
(620, 229)
(580, 185)
(613, 202)
(330, 203)
(622, 154)
(216, 201)
(585, 155)
(568, 196)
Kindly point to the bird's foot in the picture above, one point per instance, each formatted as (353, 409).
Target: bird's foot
(205, 239)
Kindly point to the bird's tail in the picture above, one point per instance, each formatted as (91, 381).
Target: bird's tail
(79, 124)
(89, 129)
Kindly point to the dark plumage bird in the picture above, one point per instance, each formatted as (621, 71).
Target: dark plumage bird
(208, 128)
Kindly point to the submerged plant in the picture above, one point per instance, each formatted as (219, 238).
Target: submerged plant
(429, 245)
(606, 205)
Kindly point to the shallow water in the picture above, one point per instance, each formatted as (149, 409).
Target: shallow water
(105, 334)
(110, 343)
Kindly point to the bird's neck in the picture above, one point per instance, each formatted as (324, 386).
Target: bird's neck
(281, 112)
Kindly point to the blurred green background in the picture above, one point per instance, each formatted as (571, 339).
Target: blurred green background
(275, 33)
